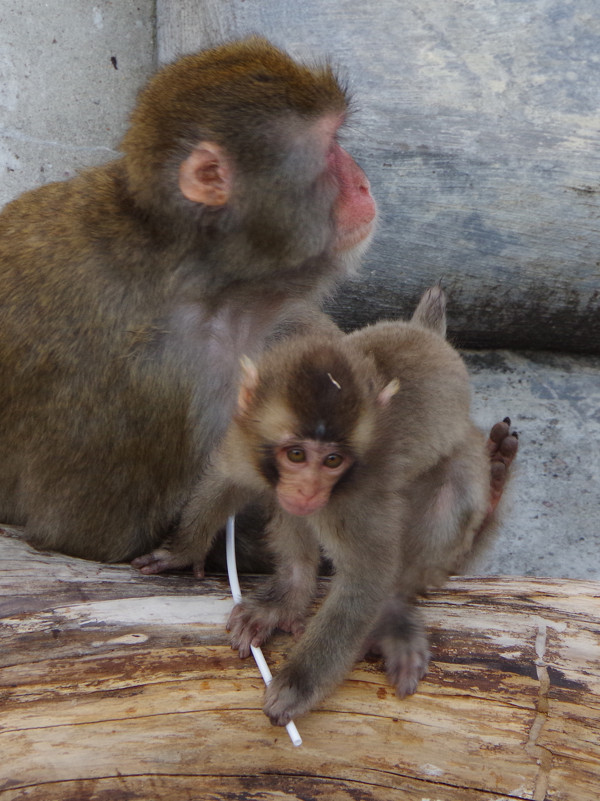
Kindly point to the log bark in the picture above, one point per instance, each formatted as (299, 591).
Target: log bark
(118, 686)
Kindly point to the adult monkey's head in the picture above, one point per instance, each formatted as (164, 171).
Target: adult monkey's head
(240, 145)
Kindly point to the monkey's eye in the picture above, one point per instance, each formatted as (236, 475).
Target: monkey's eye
(296, 455)
(333, 460)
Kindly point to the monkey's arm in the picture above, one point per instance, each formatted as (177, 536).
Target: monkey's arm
(365, 569)
(212, 502)
(284, 601)
(305, 318)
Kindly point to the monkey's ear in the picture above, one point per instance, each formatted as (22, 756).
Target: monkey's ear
(205, 175)
(388, 392)
(248, 384)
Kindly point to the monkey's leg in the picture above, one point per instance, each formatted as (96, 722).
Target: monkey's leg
(400, 638)
(448, 504)
(212, 502)
(284, 601)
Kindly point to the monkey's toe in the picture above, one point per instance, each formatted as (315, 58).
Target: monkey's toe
(250, 625)
(502, 447)
(406, 667)
(502, 444)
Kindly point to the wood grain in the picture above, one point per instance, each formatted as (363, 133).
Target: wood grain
(119, 686)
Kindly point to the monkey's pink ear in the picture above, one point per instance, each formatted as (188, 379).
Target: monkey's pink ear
(248, 384)
(205, 176)
(388, 392)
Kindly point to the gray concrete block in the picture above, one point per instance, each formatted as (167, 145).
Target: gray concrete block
(69, 74)
(550, 523)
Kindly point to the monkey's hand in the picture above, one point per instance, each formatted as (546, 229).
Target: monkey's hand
(291, 693)
(164, 559)
(253, 622)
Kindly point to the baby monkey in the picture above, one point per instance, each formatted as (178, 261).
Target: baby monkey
(361, 447)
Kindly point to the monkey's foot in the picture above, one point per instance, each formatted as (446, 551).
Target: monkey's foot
(164, 559)
(502, 447)
(400, 638)
(253, 622)
(406, 663)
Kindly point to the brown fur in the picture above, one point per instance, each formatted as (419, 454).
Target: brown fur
(126, 305)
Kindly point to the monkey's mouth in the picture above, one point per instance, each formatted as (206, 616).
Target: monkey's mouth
(347, 240)
(301, 508)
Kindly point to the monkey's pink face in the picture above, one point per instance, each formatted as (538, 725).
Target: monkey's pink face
(308, 471)
(354, 209)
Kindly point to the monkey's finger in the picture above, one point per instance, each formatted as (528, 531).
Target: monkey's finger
(198, 568)
(141, 561)
(152, 569)
(405, 676)
(148, 566)
(160, 560)
(234, 616)
(241, 644)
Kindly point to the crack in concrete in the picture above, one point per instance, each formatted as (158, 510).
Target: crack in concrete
(33, 140)
(542, 755)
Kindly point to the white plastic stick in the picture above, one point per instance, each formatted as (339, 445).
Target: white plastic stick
(237, 597)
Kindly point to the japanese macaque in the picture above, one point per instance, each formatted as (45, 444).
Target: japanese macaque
(129, 293)
(361, 446)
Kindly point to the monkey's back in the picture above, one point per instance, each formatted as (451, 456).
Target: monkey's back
(76, 381)
(436, 451)
(429, 414)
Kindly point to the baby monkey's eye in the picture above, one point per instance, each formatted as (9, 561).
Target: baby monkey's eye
(333, 460)
(296, 455)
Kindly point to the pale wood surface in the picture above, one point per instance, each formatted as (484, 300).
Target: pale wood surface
(118, 686)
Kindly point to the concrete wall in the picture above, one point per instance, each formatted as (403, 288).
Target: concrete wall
(478, 124)
(69, 74)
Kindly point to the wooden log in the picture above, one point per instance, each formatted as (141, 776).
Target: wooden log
(477, 124)
(118, 686)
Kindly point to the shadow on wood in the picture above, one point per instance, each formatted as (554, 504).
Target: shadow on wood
(118, 686)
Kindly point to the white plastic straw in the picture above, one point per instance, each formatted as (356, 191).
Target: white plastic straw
(237, 597)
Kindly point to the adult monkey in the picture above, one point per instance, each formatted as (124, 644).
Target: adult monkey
(128, 293)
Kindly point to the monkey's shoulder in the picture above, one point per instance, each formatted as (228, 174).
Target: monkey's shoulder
(58, 215)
